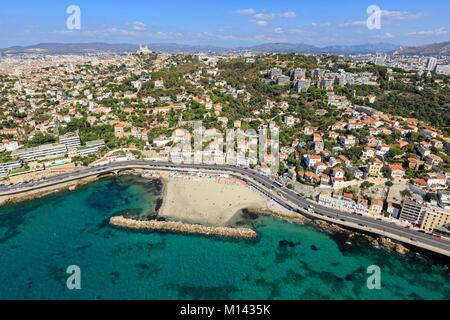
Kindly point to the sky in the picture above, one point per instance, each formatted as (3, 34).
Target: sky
(227, 23)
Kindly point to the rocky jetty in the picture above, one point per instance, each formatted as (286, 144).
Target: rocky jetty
(179, 227)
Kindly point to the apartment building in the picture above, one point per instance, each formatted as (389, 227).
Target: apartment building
(92, 147)
(274, 73)
(435, 217)
(325, 84)
(44, 152)
(444, 199)
(443, 69)
(343, 203)
(375, 168)
(396, 171)
(376, 207)
(71, 140)
(316, 73)
(6, 168)
(283, 80)
(412, 211)
(297, 74)
(119, 130)
(348, 141)
(302, 85)
(311, 160)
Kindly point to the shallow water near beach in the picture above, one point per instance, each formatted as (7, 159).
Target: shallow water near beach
(40, 239)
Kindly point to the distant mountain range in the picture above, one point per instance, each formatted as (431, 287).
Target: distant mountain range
(304, 48)
(435, 49)
(96, 47)
(71, 48)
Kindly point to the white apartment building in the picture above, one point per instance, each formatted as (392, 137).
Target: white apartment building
(444, 199)
(92, 147)
(44, 152)
(341, 203)
(71, 140)
(6, 168)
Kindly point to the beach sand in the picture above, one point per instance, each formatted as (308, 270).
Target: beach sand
(207, 201)
(215, 201)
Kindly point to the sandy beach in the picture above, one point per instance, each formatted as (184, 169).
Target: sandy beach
(213, 201)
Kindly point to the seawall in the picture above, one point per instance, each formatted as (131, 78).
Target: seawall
(42, 192)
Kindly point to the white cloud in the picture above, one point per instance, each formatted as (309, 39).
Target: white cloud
(296, 31)
(353, 24)
(441, 31)
(246, 11)
(386, 14)
(278, 30)
(261, 23)
(421, 33)
(168, 35)
(438, 32)
(264, 16)
(321, 24)
(139, 26)
(401, 15)
(289, 15)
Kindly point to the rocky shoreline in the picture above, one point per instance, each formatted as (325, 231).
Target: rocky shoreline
(179, 227)
(57, 188)
(376, 242)
(40, 193)
(291, 218)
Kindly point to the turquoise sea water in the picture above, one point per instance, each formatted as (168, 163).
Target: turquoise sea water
(40, 239)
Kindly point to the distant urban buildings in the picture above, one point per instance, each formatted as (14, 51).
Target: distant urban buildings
(443, 70)
(302, 85)
(144, 50)
(432, 63)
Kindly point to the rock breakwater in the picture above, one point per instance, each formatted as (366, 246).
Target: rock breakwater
(179, 227)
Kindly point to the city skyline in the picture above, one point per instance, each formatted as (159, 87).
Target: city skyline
(227, 24)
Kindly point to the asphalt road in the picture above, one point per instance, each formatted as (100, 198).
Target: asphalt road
(281, 194)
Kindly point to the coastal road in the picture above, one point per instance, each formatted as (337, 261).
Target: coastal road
(273, 189)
